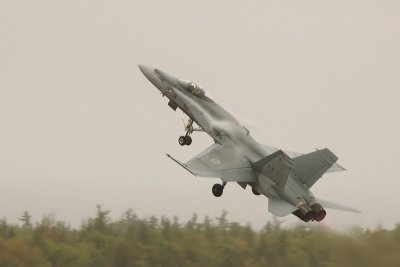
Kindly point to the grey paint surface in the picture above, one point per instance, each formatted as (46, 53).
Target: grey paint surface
(75, 128)
(237, 157)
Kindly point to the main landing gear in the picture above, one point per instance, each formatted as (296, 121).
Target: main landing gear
(186, 139)
(218, 189)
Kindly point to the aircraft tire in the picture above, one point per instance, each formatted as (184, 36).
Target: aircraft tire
(217, 190)
(188, 140)
(182, 140)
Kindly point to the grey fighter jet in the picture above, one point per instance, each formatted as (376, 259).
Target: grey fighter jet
(282, 176)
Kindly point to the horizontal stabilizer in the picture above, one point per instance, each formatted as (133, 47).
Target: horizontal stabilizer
(280, 207)
(331, 205)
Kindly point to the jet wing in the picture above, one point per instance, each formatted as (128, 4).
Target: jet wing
(221, 161)
(310, 167)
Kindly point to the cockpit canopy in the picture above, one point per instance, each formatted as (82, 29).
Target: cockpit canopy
(193, 88)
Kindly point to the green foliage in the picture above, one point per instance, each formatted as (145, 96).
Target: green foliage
(152, 241)
(26, 219)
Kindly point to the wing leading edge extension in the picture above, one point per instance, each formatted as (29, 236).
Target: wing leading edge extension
(220, 161)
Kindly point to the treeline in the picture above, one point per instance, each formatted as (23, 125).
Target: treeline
(152, 241)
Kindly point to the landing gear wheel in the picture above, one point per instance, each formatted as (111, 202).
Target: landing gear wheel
(182, 140)
(217, 190)
(188, 140)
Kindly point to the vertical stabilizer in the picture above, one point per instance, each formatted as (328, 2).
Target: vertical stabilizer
(310, 167)
(276, 166)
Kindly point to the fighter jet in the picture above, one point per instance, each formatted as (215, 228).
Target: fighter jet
(284, 177)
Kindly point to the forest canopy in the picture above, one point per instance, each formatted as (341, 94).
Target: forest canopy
(153, 241)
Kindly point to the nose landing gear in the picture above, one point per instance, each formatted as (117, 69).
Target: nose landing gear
(186, 139)
(218, 189)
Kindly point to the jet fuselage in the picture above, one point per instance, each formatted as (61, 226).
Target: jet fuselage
(225, 129)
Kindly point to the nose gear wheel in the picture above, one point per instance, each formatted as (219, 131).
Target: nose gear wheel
(186, 139)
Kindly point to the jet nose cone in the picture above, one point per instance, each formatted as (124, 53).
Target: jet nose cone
(147, 71)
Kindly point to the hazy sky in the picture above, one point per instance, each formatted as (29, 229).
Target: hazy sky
(80, 125)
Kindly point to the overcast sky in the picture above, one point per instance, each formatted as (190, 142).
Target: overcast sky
(80, 125)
